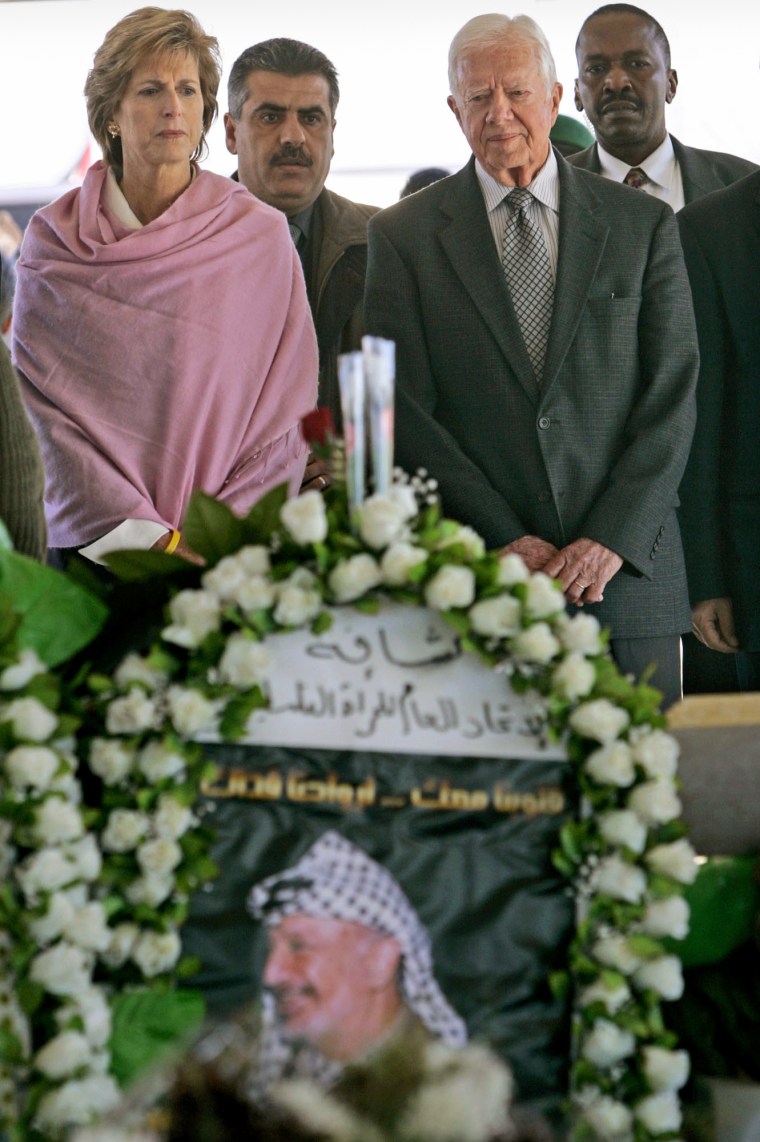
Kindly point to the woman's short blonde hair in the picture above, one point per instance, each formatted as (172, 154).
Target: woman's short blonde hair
(141, 35)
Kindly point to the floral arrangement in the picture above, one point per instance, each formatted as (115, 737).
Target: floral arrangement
(98, 886)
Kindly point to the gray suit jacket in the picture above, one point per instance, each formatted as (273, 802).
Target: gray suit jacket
(701, 171)
(598, 450)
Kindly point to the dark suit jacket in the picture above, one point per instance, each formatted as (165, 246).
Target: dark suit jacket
(721, 489)
(701, 171)
(599, 449)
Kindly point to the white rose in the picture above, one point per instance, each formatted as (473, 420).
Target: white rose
(172, 819)
(614, 998)
(622, 827)
(657, 753)
(62, 969)
(615, 952)
(615, 877)
(381, 521)
(599, 720)
(123, 938)
(580, 634)
(451, 586)
(665, 1070)
(255, 594)
(85, 859)
(296, 605)
(194, 615)
(150, 889)
(225, 578)
(669, 917)
(91, 1008)
(254, 559)
(76, 1103)
(29, 719)
(352, 578)
(131, 713)
(31, 766)
(498, 617)
(57, 821)
(63, 1055)
(659, 1113)
(88, 928)
(110, 760)
(611, 765)
(663, 976)
(574, 677)
(66, 785)
(44, 871)
(158, 762)
(45, 929)
(466, 537)
(609, 1119)
(511, 569)
(677, 860)
(404, 498)
(156, 952)
(245, 662)
(399, 560)
(26, 666)
(124, 831)
(159, 857)
(607, 1044)
(305, 517)
(190, 710)
(536, 644)
(656, 802)
(133, 668)
(543, 597)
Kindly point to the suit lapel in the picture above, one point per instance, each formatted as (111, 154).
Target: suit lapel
(468, 243)
(582, 238)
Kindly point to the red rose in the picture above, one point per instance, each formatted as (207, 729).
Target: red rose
(317, 427)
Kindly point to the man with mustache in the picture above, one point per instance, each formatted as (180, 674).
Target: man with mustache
(624, 83)
(283, 95)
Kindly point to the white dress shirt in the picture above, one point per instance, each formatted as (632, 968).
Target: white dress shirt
(544, 188)
(661, 168)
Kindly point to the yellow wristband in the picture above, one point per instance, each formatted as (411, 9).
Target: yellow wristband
(173, 543)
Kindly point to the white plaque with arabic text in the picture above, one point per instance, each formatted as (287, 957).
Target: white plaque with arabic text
(394, 682)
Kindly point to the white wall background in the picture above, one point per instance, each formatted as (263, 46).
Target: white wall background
(391, 59)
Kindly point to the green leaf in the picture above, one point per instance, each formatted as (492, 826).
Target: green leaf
(148, 1025)
(321, 623)
(717, 927)
(264, 517)
(6, 543)
(136, 566)
(211, 528)
(238, 710)
(58, 617)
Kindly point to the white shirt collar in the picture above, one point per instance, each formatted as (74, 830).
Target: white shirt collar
(660, 167)
(544, 187)
(118, 205)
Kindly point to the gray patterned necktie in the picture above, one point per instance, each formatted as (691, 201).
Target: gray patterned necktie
(295, 233)
(529, 277)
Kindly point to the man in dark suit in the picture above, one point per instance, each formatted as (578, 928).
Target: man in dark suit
(574, 460)
(720, 492)
(624, 83)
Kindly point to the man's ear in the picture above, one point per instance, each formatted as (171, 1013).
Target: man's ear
(381, 962)
(230, 133)
(672, 87)
(454, 107)
(577, 97)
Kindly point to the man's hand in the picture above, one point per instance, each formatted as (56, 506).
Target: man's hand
(181, 549)
(533, 551)
(584, 568)
(317, 475)
(712, 621)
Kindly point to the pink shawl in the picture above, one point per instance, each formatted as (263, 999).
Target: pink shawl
(163, 360)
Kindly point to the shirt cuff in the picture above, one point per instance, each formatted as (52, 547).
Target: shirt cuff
(132, 534)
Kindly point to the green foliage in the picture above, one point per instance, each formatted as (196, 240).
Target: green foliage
(148, 1025)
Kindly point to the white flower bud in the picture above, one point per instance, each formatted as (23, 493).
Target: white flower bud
(544, 597)
(511, 570)
(110, 760)
(158, 762)
(614, 998)
(669, 917)
(615, 952)
(159, 857)
(31, 766)
(194, 615)
(615, 877)
(136, 669)
(607, 1044)
(19, 673)
(659, 1113)
(131, 713)
(57, 821)
(574, 677)
(536, 644)
(398, 561)
(609, 1119)
(665, 1070)
(381, 521)
(663, 976)
(580, 634)
(611, 765)
(124, 830)
(62, 969)
(29, 720)
(245, 662)
(624, 828)
(657, 753)
(656, 802)
(305, 517)
(156, 952)
(62, 1055)
(497, 617)
(599, 720)
(354, 577)
(677, 860)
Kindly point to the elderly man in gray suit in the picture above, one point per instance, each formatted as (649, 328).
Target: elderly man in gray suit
(546, 350)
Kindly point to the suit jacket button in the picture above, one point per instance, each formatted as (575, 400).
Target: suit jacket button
(544, 422)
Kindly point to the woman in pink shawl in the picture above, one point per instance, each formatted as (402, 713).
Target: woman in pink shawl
(161, 326)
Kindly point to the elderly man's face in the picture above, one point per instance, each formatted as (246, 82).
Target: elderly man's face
(505, 109)
(624, 83)
(325, 975)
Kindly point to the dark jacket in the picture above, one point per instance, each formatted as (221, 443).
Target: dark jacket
(335, 262)
(701, 171)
